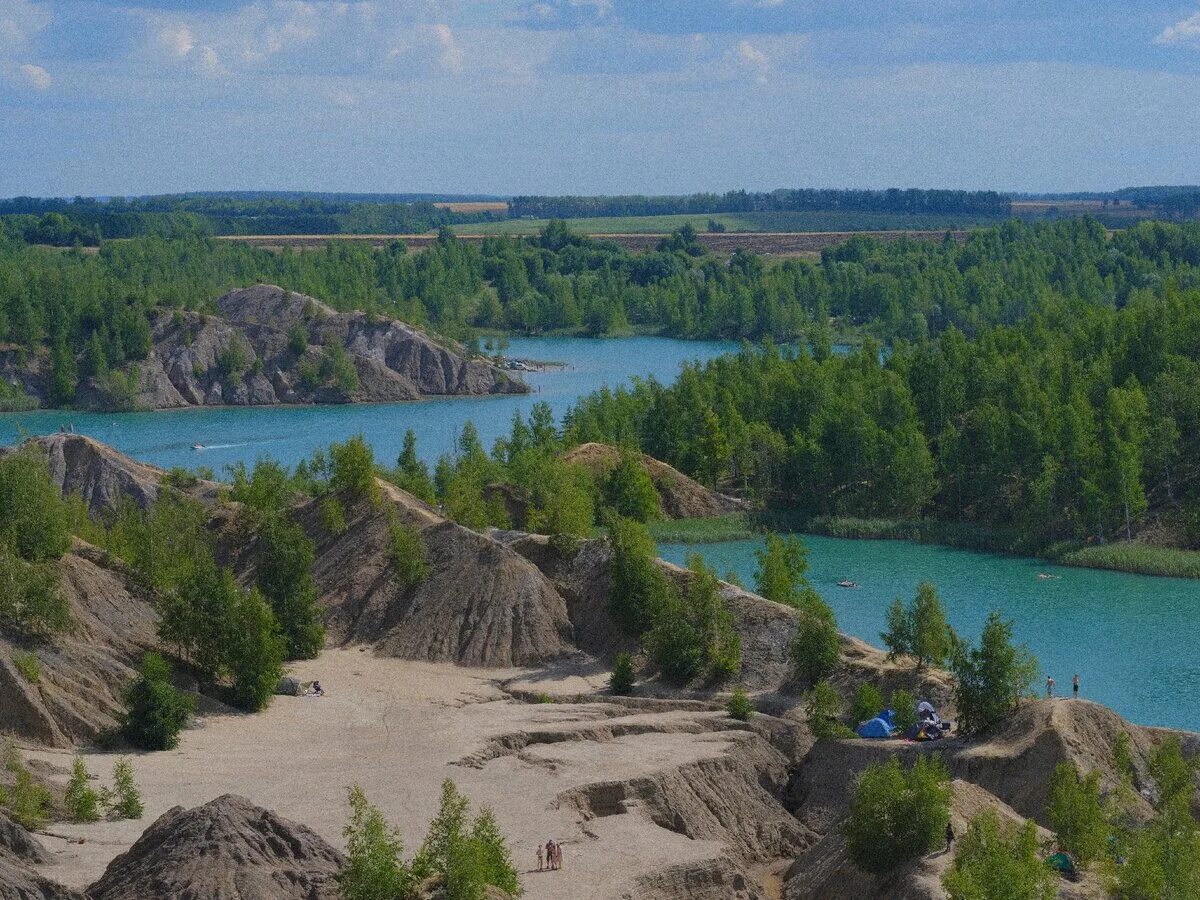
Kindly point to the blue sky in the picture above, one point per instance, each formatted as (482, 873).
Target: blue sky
(595, 96)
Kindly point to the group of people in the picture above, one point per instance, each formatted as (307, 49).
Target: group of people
(549, 857)
(1074, 687)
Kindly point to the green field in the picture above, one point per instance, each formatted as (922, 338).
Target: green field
(744, 222)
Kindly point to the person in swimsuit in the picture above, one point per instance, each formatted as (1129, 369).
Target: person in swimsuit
(1075, 686)
(1049, 687)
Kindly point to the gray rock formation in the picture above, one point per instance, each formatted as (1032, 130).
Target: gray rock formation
(242, 356)
(227, 849)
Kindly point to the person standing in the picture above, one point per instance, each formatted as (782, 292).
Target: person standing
(540, 849)
(1049, 687)
(949, 836)
(1075, 686)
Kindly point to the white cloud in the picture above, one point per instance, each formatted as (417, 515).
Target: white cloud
(176, 39)
(36, 76)
(451, 56)
(1185, 32)
(753, 59)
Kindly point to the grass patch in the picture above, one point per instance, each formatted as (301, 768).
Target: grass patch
(28, 665)
(1140, 559)
(963, 535)
(714, 530)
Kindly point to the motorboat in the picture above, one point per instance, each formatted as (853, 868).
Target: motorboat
(847, 583)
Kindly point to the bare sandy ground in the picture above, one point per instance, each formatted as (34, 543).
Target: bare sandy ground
(398, 729)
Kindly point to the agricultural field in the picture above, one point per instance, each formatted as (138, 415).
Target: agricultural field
(799, 221)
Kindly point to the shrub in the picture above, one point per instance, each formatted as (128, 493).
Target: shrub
(868, 703)
(1123, 755)
(406, 549)
(823, 707)
(27, 801)
(1162, 861)
(623, 676)
(155, 712)
(1076, 814)
(897, 815)
(82, 801)
(126, 798)
(999, 861)
(28, 665)
(905, 706)
(297, 339)
(374, 869)
(333, 515)
(34, 519)
(265, 491)
(991, 678)
(630, 492)
(815, 646)
(411, 473)
(353, 469)
(30, 596)
(739, 705)
(782, 564)
(1173, 773)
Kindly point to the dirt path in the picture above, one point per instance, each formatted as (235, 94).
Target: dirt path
(398, 729)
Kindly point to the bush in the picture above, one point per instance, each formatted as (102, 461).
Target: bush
(739, 705)
(126, 798)
(868, 703)
(897, 815)
(297, 339)
(27, 801)
(155, 712)
(406, 549)
(816, 643)
(333, 515)
(34, 519)
(623, 676)
(630, 492)
(905, 706)
(1076, 814)
(30, 596)
(82, 801)
(992, 678)
(28, 665)
(353, 469)
(823, 707)
(374, 869)
(780, 576)
(285, 559)
(999, 861)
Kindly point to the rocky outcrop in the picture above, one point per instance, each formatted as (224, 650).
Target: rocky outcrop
(249, 354)
(227, 849)
(82, 671)
(681, 496)
(481, 604)
(19, 852)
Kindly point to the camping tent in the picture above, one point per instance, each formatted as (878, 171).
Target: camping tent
(875, 728)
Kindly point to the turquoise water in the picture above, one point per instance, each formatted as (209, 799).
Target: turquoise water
(1132, 638)
(291, 433)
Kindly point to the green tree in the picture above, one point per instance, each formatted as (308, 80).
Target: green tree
(284, 576)
(905, 706)
(34, 519)
(898, 637)
(623, 676)
(155, 712)
(408, 553)
(868, 702)
(82, 802)
(353, 469)
(1076, 813)
(990, 679)
(897, 815)
(782, 567)
(494, 858)
(816, 644)
(823, 708)
(919, 629)
(27, 800)
(127, 799)
(254, 651)
(999, 861)
(375, 868)
(739, 705)
(412, 474)
(629, 491)
(639, 587)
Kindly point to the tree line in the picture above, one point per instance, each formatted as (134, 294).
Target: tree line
(896, 200)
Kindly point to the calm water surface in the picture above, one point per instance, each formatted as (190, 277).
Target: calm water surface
(1133, 639)
(291, 433)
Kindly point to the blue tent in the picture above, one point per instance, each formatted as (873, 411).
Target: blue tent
(875, 728)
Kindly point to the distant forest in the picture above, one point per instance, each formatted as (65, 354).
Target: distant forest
(894, 200)
(87, 221)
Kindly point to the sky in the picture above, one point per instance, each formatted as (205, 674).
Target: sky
(595, 96)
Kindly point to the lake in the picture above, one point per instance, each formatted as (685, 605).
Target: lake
(1131, 638)
(291, 433)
